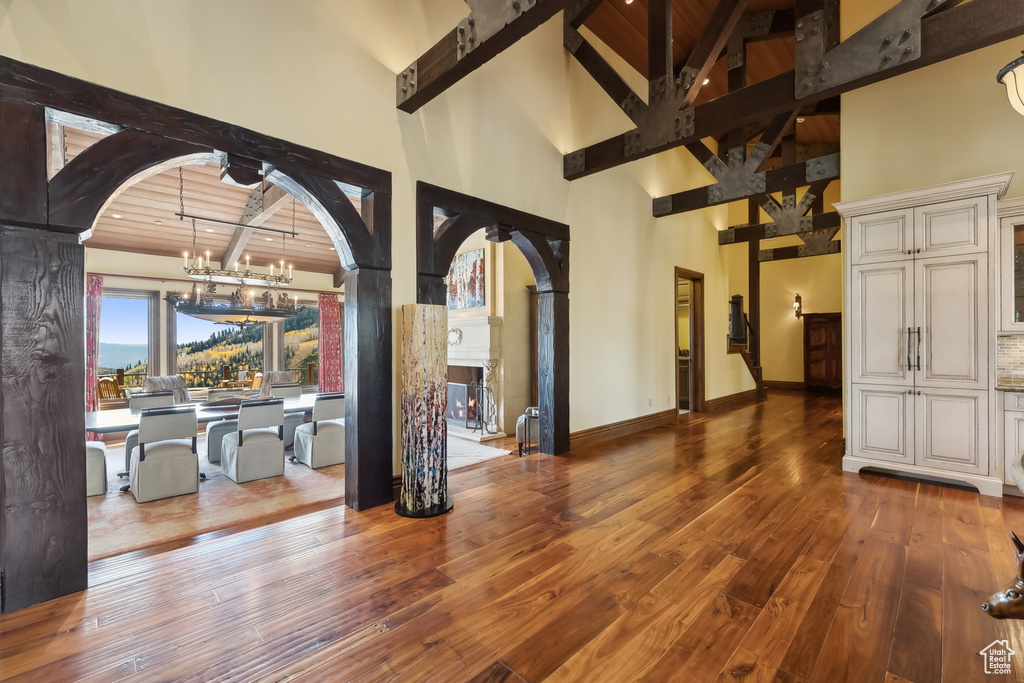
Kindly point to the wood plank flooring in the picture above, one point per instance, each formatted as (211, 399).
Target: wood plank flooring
(725, 548)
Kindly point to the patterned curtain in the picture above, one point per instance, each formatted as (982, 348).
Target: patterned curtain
(331, 345)
(93, 301)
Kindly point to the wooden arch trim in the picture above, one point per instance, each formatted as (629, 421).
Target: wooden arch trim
(79, 191)
(545, 244)
(47, 557)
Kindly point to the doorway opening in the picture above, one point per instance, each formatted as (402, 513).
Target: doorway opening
(689, 348)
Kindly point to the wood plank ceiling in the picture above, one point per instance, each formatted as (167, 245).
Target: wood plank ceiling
(623, 27)
(141, 219)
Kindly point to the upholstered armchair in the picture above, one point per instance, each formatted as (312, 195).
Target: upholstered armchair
(95, 468)
(174, 383)
(165, 462)
(137, 402)
(290, 391)
(272, 377)
(256, 449)
(322, 442)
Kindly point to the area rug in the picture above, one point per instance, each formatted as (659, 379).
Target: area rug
(462, 452)
(118, 524)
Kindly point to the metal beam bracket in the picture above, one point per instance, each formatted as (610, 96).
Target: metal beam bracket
(575, 162)
(405, 84)
(736, 182)
(727, 236)
(818, 249)
(766, 255)
(890, 40)
(486, 18)
(821, 168)
(788, 224)
(661, 206)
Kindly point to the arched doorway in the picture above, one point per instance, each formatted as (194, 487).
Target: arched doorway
(42, 535)
(545, 244)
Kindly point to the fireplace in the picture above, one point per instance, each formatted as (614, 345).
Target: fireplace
(464, 396)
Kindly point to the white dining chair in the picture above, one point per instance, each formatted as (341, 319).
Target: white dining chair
(256, 449)
(137, 402)
(165, 463)
(322, 442)
(290, 392)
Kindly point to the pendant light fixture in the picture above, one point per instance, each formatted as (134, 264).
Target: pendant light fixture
(243, 306)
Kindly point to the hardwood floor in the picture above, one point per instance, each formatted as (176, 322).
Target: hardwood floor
(725, 548)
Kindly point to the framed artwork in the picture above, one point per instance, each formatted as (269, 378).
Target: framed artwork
(466, 281)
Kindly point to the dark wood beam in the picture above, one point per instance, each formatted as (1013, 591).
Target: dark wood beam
(799, 251)
(485, 34)
(601, 71)
(659, 40)
(948, 34)
(760, 231)
(709, 47)
(776, 180)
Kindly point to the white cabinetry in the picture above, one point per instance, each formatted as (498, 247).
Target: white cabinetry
(919, 335)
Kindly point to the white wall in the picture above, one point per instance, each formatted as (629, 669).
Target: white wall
(322, 74)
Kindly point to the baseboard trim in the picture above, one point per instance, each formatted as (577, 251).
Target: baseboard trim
(725, 403)
(779, 385)
(589, 437)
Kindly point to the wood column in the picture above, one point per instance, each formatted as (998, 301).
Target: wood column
(44, 535)
(553, 375)
(431, 289)
(368, 360)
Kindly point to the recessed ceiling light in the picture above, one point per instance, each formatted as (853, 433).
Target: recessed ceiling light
(209, 230)
(309, 245)
(629, 2)
(116, 215)
(270, 239)
(159, 222)
(800, 119)
(706, 81)
(332, 248)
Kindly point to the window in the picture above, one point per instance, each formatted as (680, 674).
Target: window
(126, 331)
(301, 345)
(204, 348)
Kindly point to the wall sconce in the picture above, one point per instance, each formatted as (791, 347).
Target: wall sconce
(798, 308)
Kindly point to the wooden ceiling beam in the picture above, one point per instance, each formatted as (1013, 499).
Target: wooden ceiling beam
(944, 35)
(799, 251)
(489, 29)
(709, 47)
(262, 204)
(761, 231)
(602, 72)
(659, 42)
(765, 182)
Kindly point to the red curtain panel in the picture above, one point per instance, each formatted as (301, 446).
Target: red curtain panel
(331, 345)
(93, 301)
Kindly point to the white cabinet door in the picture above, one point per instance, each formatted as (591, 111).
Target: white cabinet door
(952, 316)
(887, 236)
(957, 227)
(882, 423)
(1013, 441)
(952, 430)
(882, 323)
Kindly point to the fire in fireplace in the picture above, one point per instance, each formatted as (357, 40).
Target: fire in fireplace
(464, 396)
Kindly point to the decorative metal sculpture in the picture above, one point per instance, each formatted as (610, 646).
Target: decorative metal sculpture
(1009, 602)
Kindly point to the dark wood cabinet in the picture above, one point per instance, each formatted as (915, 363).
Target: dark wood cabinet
(823, 351)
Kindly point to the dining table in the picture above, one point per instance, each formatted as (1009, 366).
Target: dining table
(124, 419)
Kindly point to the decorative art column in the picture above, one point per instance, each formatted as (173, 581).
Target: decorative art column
(424, 403)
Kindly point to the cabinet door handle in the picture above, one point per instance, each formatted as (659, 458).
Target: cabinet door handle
(919, 349)
(910, 366)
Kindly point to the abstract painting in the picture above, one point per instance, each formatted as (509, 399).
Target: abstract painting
(466, 281)
(424, 402)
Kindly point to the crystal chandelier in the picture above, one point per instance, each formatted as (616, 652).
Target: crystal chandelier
(243, 306)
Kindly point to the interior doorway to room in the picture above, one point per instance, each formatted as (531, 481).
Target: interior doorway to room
(689, 349)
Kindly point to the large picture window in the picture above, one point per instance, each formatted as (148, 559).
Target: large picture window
(125, 336)
(302, 345)
(204, 348)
